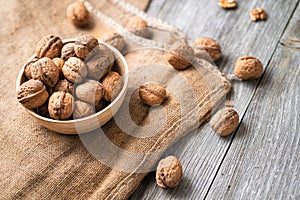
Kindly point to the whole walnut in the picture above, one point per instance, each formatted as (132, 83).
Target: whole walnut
(60, 105)
(90, 91)
(64, 85)
(74, 70)
(28, 65)
(78, 14)
(68, 51)
(207, 48)
(114, 39)
(225, 121)
(138, 26)
(169, 172)
(152, 93)
(99, 62)
(59, 63)
(82, 109)
(248, 67)
(45, 70)
(49, 46)
(112, 85)
(32, 94)
(180, 55)
(84, 45)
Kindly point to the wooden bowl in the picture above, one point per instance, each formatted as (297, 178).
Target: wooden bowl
(94, 121)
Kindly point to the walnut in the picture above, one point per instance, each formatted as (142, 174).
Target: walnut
(225, 121)
(49, 46)
(169, 172)
(248, 67)
(112, 85)
(60, 105)
(68, 51)
(59, 63)
(114, 39)
(28, 65)
(78, 14)
(82, 109)
(228, 4)
(258, 14)
(207, 48)
(90, 91)
(152, 94)
(99, 62)
(180, 55)
(138, 26)
(84, 45)
(74, 70)
(32, 94)
(45, 70)
(64, 85)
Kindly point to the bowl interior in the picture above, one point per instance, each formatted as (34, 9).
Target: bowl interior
(86, 124)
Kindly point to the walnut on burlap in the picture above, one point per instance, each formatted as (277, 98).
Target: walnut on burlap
(39, 164)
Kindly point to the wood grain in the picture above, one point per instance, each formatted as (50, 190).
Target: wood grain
(202, 152)
(263, 161)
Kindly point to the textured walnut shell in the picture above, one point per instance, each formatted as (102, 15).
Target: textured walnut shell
(248, 67)
(208, 49)
(78, 14)
(90, 91)
(169, 172)
(45, 70)
(74, 70)
(112, 85)
(49, 46)
(27, 66)
(32, 94)
(64, 85)
(99, 62)
(59, 63)
(138, 26)
(82, 109)
(180, 55)
(68, 51)
(152, 94)
(60, 105)
(114, 39)
(225, 121)
(84, 45)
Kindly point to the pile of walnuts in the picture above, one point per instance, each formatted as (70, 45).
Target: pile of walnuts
(69, 81)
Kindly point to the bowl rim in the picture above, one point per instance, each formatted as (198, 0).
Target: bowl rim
(125, 77)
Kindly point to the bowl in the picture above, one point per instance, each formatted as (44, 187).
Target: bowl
(92, 122)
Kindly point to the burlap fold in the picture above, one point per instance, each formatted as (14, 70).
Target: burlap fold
(110, 162)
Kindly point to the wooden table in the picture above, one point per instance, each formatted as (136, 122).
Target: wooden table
(261, 160)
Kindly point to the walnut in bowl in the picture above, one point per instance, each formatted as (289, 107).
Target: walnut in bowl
(89, 121)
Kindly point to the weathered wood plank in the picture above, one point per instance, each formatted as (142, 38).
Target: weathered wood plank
(202, 151)
(264, 161)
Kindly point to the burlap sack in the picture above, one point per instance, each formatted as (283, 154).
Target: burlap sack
(110, 162)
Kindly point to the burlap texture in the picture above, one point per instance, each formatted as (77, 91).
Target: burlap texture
(39, 164)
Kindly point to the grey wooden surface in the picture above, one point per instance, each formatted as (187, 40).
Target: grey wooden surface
(261, 159)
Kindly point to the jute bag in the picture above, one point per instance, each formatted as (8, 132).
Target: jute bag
(110, 162)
